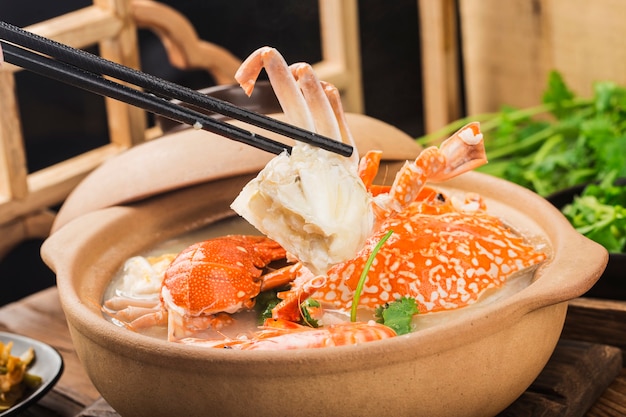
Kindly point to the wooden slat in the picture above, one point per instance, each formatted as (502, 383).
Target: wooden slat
(601, 321)
(341, 59)
(51, 185)
(572, 381)
(597, 321)
(504, 53)
(440, 69)
(78, 29)
(34, 226)
(11, 233)
(185, 50)
(127, 124)
(13, 170)
(333, 73)
(613, 401)
(509, 48)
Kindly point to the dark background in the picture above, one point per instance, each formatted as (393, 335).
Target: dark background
(60, 122)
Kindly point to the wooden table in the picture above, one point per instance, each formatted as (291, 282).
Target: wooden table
(585, 376)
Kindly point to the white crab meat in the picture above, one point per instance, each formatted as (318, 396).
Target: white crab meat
(142, 277)
(311, 204)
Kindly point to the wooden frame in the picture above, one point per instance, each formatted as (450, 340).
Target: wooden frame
(505, 50)
(341, 57)
(24, 197)
(112, 25)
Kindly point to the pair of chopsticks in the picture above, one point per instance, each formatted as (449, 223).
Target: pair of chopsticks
(86, 71)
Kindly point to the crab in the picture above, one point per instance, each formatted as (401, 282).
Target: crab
(203, 285)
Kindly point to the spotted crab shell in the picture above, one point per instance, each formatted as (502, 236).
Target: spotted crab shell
(218, 275)
(444, 261)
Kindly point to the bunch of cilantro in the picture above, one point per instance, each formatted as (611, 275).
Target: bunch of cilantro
(565, 141)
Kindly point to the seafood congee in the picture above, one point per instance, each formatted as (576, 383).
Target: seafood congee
(325, 257)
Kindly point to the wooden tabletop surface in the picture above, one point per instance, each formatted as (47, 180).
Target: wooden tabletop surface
(585, 377)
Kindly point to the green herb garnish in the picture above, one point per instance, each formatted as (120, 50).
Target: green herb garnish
(565, 141)
(600, 214)
(398, 314)
(264, 303)
(366, 269)
(305, 308)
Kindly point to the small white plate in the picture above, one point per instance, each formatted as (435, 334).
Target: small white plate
(48, 365)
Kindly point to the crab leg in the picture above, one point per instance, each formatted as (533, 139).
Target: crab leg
(315, 97)
(284, 84)
(460, 153)
(334, 98)
(306, 101)
(368, 167)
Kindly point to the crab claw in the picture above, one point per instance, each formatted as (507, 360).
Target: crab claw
(460, 153)
(463, 151)
(284, 84)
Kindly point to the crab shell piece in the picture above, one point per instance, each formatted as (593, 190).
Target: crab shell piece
(220, 275)
(443, 257)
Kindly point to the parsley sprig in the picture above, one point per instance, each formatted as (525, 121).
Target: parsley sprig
(398, 314)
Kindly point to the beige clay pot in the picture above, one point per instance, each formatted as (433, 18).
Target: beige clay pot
(473, 365)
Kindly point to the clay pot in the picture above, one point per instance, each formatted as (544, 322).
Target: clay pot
(474, 364)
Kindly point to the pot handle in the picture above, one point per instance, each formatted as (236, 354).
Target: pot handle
(569, 275)
(64, 248)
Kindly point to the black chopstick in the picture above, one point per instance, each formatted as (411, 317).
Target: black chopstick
(85, 80)
(98, 65)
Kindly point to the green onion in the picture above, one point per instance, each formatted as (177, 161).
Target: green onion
(361, 283)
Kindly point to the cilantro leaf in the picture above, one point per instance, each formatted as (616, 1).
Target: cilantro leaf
(397, 314)
(264, 303)
(600, 214)
(557, 93)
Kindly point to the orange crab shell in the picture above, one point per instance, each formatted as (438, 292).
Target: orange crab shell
(221, 274)
(443, 258)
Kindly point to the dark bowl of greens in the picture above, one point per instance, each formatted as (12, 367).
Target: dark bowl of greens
(598, 211)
